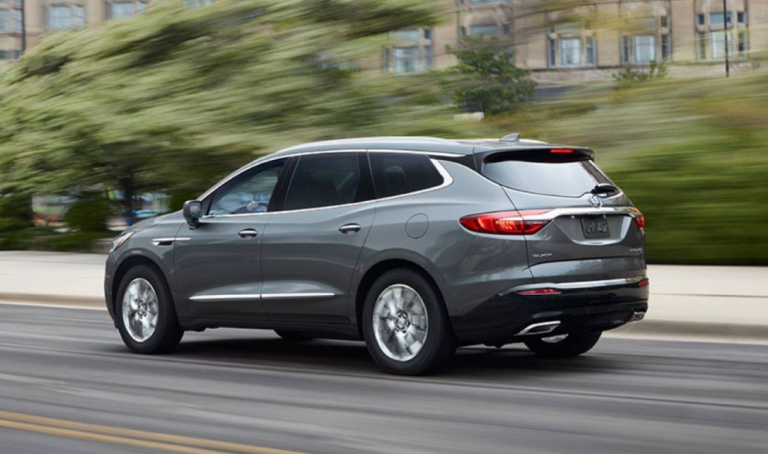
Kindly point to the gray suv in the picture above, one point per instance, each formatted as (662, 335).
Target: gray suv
(415, 245)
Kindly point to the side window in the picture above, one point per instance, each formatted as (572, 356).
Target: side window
(249, 192)
(402, 173)
(327, 179)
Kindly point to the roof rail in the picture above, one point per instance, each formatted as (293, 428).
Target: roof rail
(514, 137)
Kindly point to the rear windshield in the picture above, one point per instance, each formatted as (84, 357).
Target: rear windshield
(563, 179)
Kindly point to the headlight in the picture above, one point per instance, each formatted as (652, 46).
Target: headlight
(117, 242)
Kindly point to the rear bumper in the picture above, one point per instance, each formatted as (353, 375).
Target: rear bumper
(578, 307)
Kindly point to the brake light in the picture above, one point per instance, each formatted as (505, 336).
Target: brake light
(644, 283)
(561, 150)
(638, 217)
(506, 222)
(540, 291)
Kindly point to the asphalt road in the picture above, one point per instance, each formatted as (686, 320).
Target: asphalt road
(68, 386)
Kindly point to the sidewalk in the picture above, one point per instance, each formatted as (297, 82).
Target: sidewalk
(685, 300)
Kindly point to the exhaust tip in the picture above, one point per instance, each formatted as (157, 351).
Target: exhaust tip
(539, 328)
(637, 316)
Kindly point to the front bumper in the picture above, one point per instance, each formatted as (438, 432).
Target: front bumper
(579, 307)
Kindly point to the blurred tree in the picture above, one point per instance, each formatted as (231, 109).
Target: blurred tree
(173, 98)
(486, 78)
(631, 76)
(15, 217)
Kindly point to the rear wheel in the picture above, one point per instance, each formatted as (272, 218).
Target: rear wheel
(145, 313)
(292, 336)
(405, 325)
(564, 345)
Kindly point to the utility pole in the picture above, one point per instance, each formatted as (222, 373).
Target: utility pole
(725, 33)
(23, 27)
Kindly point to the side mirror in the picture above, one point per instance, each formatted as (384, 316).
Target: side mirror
(193, 211)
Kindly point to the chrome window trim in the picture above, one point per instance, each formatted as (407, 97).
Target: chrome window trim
(447, 181)
(267, 159)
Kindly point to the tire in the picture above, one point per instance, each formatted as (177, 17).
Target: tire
(292, 336)
(430, 338)
(167, 332)
(571, 346)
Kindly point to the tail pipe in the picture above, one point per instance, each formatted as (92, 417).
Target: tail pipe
(539, 328)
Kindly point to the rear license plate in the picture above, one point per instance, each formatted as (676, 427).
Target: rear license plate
(595, 227)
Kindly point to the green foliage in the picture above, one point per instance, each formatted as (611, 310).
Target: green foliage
(631, 76)
(69, 242)
(692, 156)
(486, 79)
(89, 213)
(178, 97)
(15, 219)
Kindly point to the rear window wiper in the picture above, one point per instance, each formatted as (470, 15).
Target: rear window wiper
(604, 188)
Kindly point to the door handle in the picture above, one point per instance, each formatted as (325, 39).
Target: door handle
(248, 233)
(350, 228)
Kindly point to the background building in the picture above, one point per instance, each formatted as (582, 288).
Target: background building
(595, 39)
(588, 42)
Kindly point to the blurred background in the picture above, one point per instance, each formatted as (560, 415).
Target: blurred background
(113, 111)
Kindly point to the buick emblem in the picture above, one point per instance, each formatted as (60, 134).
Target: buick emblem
(596, 202)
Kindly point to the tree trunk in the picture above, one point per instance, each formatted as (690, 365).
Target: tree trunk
(128, 187)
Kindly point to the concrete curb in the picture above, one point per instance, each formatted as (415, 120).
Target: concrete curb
(673, 328)
(53, 300)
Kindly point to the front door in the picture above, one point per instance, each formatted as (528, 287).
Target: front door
(218, 264)
(311, 248)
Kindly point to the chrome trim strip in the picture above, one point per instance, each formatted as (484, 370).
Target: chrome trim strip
(530, 328)
(252, 296)
(158, 241)
(579, 285)
(557, 212)
(447, 181)
(269, 158)
(274, 296)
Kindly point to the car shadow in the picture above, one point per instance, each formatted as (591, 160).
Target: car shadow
(329, 356)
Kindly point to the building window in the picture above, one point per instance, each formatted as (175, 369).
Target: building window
(644, 48)
(625, 50)
(591, 51)
(411, 34)
(427, 58)
(406, 60)
(717, 18)
(9, 55)
(664, 20)
(120, 9)
(65, 17)
(462, 31)
(700, 20)
(666, 47)
(570, 52)
(10, 21)
(484, 30)
(428, 33)
(701, 46)
(741, 17)
(717, 44)
(743, 47)
(552, 52)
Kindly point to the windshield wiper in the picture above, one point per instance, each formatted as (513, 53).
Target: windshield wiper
(604, 188)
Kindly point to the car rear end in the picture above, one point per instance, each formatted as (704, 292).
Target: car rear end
(585, 242)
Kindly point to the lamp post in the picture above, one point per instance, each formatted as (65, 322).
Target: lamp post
(23, 27)
(725, 33)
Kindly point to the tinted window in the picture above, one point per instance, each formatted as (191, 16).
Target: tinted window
(249, 192)
(566, 179)
(323, 180)
(401, 173)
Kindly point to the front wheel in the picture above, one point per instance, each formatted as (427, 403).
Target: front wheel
(405, 324)
(146, 316)
(564, 345)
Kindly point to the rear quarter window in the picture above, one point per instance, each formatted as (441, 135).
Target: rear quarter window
(562, 179)
(403, 173)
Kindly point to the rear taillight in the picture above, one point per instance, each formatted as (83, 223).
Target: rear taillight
(644, 283)
(638, 217)
(540, 291)
(506, 222)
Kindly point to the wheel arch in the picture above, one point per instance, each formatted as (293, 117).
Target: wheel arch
(373, 273)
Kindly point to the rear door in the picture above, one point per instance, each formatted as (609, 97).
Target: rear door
(311, 247)
(592, 230)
